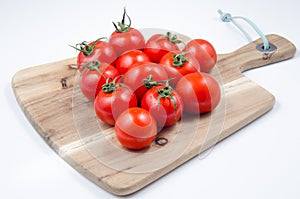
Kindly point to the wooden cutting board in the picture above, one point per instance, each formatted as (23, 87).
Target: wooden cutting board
(50, 98)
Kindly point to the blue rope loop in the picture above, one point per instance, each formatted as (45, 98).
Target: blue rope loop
(226, 17)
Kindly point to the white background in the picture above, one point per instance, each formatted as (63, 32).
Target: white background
(262, 160)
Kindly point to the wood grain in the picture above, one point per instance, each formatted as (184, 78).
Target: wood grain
(50, 98)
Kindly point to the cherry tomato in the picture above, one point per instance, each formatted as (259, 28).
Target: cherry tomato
(158, 45)
(129, 58)
(204, 53)
(200, 92)
(139, 64)
(135, 128)
(164, 104)
(125, 37)
(112, 100)
(93, 76)
(96, 50)
(178, 64)
(143, 77)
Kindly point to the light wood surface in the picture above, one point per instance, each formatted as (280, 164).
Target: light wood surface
(50, 98)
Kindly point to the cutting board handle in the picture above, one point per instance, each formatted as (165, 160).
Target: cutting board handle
(248, 56)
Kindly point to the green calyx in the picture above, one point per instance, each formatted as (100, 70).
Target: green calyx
(85, 48)
(166, 92)
(150, 83)
(122, 27)
(94, 65)
(172, 38)
(109, 87)
(179, 59)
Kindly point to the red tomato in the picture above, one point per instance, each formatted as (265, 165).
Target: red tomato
(200, 92)
(135, 128)
(112, 100)
(96, 50)
(204, 53)
(158, 45)
(93, 76)
(164, 104)
(126, 38)
(139, 64)
(178, 64)
(148, 74)
(129, 58)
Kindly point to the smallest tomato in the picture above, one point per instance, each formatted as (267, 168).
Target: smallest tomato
(135, 128)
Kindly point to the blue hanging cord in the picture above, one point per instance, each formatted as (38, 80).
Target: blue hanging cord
(226, 17)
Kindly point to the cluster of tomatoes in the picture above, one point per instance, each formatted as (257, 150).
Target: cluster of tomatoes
(141, 86)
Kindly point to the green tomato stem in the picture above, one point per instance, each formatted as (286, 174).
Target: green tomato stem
(122, 26)
(109, 87)
(179, 59)
(94, 65)
(150, 83)
(166, 92)
(85, 48)
(171, 37)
